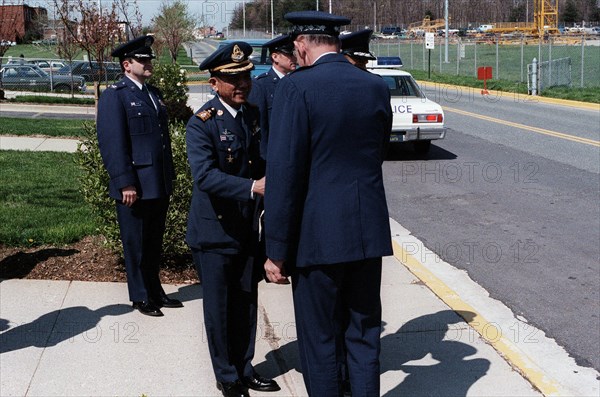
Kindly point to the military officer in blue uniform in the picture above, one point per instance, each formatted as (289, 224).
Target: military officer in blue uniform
(223, 146)
(326, 217)
(355, 47)
(283, 61)
(134, 142)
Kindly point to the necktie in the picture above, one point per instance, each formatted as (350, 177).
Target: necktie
(149, 96)
(239, 118)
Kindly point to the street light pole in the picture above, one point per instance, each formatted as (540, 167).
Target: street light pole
(272, 22)
(244, 16)
(446, 35)
(375, 16)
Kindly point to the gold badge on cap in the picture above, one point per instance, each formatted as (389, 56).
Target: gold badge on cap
(237, 55)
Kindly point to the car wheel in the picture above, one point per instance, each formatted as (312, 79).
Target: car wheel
(62, 88)
(422, 147)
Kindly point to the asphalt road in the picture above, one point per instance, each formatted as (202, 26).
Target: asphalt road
(511, 196)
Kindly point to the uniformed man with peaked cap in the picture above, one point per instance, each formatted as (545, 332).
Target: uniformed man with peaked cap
(283, 61)
(326, 218)
(134, 142)
(223, 146)
(355, 46)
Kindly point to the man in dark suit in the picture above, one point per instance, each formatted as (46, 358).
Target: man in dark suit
(326, 215)
(355, 47)
(223, 146)
(134, 142)
(281, 51)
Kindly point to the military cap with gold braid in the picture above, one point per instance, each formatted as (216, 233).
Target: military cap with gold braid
(230, 59)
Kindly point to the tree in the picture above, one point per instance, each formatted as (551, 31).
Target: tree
(8, 33)
(95, 33)
(518, 14)
(571, 13)
(174, 26)
(67, 46)
(133, 24)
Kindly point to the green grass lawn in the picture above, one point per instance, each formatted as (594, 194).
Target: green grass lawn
(39, 199)
(45, 51)
(50, 127)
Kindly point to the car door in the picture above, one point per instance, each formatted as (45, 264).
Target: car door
(32, 78)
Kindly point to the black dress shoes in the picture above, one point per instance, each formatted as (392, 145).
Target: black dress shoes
(233, 389)
(258, 383)
(148, 309)
(165, 301)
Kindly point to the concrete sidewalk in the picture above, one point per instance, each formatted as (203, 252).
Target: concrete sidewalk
(62, 338)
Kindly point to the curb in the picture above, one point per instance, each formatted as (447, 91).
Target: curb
(518, 360)
(522, 97)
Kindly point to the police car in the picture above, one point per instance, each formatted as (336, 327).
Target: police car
(416, 118)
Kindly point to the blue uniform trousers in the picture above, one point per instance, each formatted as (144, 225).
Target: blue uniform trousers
(142, 227)
(338, 312)
(229, 313)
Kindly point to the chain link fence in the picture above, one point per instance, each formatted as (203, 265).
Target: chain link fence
(508, 58)
(55, 75)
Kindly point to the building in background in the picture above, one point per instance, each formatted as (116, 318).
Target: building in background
(21, 23)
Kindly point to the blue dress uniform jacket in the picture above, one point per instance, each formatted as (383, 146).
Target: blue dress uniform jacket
(261, 95)
(134, 141)
(224, 159)
(325, 202)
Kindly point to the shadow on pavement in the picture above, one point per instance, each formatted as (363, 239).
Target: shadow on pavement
(446, 371)
(57, 326)
(405, 152)
(20, 264)
(188, 293)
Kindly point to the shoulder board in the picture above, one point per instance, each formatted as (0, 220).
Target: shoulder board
(261, 76)
(118, 85)
(206, 114)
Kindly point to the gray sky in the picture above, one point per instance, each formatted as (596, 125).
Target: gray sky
(217, 13)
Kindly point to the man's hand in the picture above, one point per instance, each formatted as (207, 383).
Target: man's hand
(275, 272)
(259, 186)
(129, 195)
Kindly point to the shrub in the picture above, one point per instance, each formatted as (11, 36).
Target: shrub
(94, 180)
(171, 80)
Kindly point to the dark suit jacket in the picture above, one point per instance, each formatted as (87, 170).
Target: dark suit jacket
(325, 200)
(224, 160)
(261, 95)
(134, 141)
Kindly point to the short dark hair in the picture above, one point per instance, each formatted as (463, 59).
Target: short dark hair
(322, 39)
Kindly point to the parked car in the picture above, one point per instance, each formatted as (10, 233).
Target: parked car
(259, 57)
(91, 71)
(416, 118)
(29, 77)
(43, 64)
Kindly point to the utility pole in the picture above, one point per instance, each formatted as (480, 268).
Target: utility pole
(375, 16)
(272, 22)
(446, 35)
